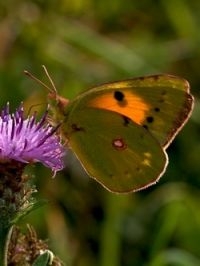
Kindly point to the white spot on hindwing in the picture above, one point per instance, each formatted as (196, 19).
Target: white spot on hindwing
(119, 144)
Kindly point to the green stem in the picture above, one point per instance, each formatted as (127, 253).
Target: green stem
(111, 235)
(5, 233)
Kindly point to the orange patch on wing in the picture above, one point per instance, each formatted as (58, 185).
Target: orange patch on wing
(134, 107)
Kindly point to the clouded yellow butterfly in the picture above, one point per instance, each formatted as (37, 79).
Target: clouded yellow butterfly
(120, 130)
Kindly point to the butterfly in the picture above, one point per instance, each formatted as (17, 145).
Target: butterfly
(120, 130)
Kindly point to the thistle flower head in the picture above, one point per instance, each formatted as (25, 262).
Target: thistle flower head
(27, 141)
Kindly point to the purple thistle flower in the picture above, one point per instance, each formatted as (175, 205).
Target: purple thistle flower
(28, 141)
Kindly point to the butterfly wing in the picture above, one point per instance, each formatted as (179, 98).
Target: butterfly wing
(161, 103)
(120, 130)
(117, 152)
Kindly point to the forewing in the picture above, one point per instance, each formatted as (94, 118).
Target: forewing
(161, 104)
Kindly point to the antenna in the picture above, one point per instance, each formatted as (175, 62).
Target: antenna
(53, 87)
(53, 91)
(50, 79)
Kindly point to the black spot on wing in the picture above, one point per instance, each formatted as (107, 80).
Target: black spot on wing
(157, 109)
(150, 119)
(77, 128)
(146, 127)
(119, 96)
(126, 120)
(163, 96)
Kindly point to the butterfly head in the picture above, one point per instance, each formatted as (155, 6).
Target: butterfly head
(57, 105)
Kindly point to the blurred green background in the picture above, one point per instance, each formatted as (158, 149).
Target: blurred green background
(84, 43)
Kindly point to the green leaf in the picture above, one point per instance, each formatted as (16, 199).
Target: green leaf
(44, 259)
